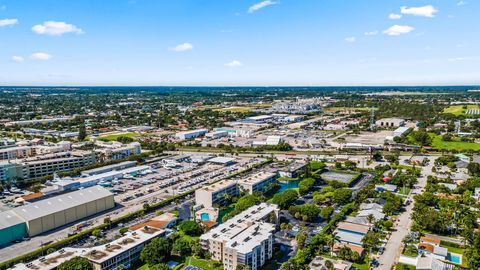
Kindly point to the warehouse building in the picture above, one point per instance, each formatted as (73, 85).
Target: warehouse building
(12, 227)
(191, 134)
(109, 168)
(49, 214)
(390, 122)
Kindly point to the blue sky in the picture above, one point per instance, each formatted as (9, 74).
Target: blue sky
(239, 42)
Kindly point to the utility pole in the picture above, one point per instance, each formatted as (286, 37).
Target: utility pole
(372, 119)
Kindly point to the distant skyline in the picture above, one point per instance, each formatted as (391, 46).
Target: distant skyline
(239, 43)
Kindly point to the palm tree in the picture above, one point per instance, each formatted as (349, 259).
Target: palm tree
(370, 218)
(331, 240)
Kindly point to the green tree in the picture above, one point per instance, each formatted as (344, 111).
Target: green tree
(157, 251)
(326, 212)
(160, 266)
(82, 131)
(181, 247)
(286, 198)
(76, 263)
(342, 195)
(190, 227)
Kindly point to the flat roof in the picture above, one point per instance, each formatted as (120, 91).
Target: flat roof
(353, 227)
(222, 160)
(61, 202)
(109, 167)
(256, 178)
(96, 254)
(349, 237)
(218, 186)
(250, 238)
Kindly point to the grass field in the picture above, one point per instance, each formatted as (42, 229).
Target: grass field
(114, 137)
(459, 109)
(338, 109)
(438, 143)
(235, 109)
(204, 264)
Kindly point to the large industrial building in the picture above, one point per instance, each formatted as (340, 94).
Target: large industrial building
(246, 239)
(48, 214)
(191, 134)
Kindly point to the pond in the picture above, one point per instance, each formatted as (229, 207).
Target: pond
(288, 184)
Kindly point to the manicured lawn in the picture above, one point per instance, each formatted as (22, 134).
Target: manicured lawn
(363, 266)
(287, 179)
(459, 110)
(454, 249)
(438, 143)
(401, 266)
(204, 264)
(141, 267)
(114, 137)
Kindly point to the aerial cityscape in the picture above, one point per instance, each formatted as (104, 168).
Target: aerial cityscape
(239, 135)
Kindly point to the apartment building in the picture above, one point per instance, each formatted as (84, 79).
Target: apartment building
(119, 254)
(215, 193)
(252, 247)
(245, 239)
(260, 181)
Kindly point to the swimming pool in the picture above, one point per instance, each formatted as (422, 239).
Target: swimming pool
(204, 216)
(289, 184)
(454, 258)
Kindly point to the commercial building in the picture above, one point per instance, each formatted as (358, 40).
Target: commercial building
(38, 121)
(257, 182)
(37, 167)
(236, 132)
(191, 134)
(246, 239)
(47, 164)
(214, 194)
(12, 227)
(51, 213)
(400, 131)
(222, 160)
(16, 152)
(48, 214)
(216, 134)
(390, 122)
(109, 168)
(259, 119)
(120, 151)
(119, 254)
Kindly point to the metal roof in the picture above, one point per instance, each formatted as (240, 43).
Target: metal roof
(62, 202)
(9, 219)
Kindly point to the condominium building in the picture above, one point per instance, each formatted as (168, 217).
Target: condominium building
(245, 239)
(260, 181)
(119, 254)
(252, 247)
(216, 193)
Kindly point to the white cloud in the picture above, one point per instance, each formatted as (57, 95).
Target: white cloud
(41, 56)
(17, 59)
(8, 22)
(182, 47)
(393, 16)
(461, 3)
(425, 11)
(397, 30)
(371, 33)
(456, 59)
(350, 39)
(53, 28)
(234, 63)
(260, 5)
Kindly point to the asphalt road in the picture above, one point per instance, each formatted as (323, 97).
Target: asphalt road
(394, 246)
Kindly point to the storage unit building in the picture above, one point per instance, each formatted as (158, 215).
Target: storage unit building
(60, 210)
(12, 227)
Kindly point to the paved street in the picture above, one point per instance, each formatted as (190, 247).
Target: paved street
(393, 248)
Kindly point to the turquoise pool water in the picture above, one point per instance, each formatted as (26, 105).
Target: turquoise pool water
(454, 259)
(204, 216)
(284, 185)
